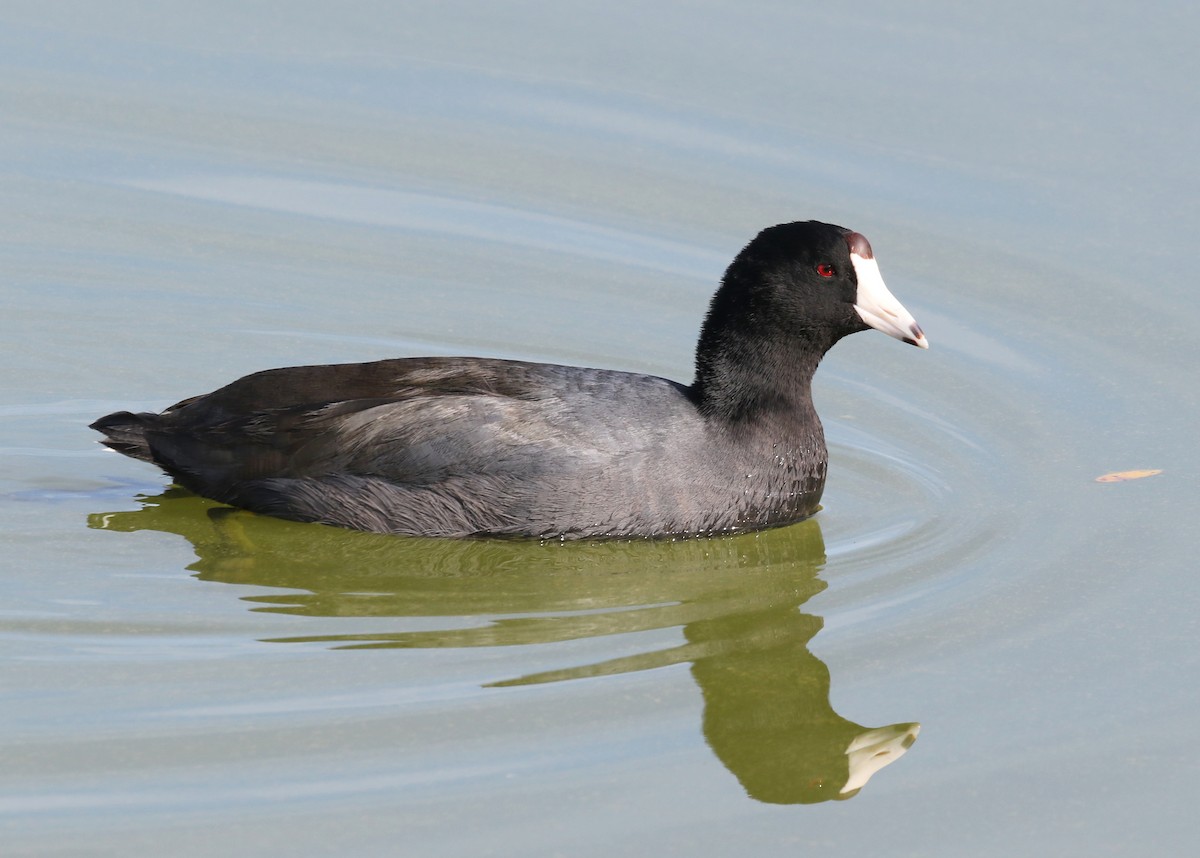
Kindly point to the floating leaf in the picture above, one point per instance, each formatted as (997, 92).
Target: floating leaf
(1122, 476)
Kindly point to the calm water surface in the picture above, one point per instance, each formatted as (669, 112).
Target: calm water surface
(975, 648)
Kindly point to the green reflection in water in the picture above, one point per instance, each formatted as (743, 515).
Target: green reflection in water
(767, 715)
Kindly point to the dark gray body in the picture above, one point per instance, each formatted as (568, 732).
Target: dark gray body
(468, 446)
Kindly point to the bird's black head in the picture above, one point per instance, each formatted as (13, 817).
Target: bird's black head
(793, 292)
(810, 280)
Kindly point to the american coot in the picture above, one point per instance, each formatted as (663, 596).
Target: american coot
(460, 447)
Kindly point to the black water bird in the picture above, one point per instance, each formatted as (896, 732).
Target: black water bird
(462, 447)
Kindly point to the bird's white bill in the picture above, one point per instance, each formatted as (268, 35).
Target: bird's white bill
(879, 308)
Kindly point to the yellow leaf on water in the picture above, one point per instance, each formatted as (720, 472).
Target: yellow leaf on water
(1122, 476)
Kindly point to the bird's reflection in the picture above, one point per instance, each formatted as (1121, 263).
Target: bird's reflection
(766, 697)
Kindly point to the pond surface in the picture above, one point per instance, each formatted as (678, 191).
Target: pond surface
(975, 648)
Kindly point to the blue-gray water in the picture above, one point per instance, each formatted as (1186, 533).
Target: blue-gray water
(190, 193)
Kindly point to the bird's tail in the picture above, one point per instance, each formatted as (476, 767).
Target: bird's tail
(125, 432)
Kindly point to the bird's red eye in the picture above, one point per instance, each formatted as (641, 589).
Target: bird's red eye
(825, 269)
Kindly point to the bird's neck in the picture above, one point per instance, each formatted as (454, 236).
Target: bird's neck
(745, 380)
